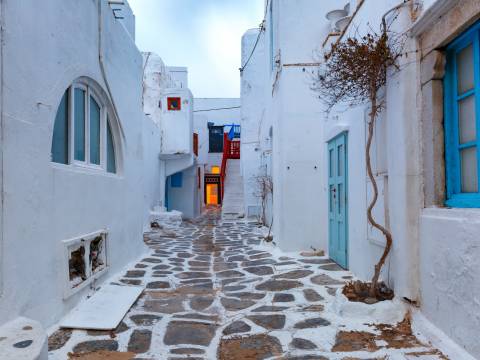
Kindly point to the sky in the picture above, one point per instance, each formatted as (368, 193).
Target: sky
(204, 35)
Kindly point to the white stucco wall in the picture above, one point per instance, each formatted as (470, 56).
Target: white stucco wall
(124, 14)
(256, 140)
(186, 198)
(179, 75)
(449, 253)
(297, 119)
(177, 126)
(46, 203)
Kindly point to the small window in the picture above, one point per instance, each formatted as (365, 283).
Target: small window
(215, 169)
(174, 103)
(82, 133)
(462, 115)
(176, 180)
(215, 139)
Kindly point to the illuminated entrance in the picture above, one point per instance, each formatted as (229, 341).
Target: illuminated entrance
(212, 190)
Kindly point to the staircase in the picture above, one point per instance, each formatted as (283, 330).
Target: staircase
(231, 179)
(232, 206)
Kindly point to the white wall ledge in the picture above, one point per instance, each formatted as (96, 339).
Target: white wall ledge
(469, 214)
(431, 15)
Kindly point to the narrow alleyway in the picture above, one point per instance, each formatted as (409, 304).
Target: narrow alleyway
(213, 292)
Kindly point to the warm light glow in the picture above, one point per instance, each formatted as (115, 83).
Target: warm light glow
(212, 194)
(215, 169)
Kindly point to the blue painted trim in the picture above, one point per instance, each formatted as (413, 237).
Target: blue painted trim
(167, 206)
(176, 180)
(453, 148)
(334, 215)
(466, 95)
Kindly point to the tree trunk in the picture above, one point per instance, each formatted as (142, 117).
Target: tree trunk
(386, 233)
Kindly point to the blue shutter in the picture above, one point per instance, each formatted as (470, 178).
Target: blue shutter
(60, 133)
(79, 124)
(94, 132)
(460, 151)
(176, 180)
(111, 162)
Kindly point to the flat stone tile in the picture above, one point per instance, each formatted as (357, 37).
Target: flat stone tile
(278, 285)
(236, 327)
(236, 304)
(139, 342)
(96, 345)
(312, 323)
(189, 333)
(270, 322)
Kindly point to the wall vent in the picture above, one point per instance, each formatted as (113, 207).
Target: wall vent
(85, 259)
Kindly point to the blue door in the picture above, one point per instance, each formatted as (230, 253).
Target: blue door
(337, 207)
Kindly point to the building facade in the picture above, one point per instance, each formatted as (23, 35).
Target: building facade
(257, 129)
(82, 164)
(213, 117)
(424, 151)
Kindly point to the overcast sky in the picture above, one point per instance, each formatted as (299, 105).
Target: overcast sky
(204, 35)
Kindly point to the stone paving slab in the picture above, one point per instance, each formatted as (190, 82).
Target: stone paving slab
(212, 291)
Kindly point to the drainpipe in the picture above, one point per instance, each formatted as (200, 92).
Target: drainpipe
(395, 8)
(2, 110)
(102, 66)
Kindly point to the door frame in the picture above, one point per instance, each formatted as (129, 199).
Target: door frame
(343, 134)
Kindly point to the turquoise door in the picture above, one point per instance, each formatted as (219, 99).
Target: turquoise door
(337, 207)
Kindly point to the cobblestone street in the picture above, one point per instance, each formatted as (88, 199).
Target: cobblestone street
(212, 291)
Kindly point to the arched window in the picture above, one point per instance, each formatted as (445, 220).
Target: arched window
(82, 134)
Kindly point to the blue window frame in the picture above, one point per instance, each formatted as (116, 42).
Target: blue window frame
(176, 180)
(462, 120)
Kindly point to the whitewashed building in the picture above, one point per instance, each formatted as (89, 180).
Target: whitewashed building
(213, 117)
(81, 165)
(257, 129)
(169, 103)
(425, 154)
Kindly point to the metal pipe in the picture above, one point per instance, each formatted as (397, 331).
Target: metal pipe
(357, 9)
(102, 68)
(395, 8)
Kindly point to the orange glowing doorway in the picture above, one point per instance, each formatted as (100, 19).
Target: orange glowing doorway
(212, 194)
(212, 189)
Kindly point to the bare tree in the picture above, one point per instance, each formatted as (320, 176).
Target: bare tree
(355, 70)
(263, 189)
